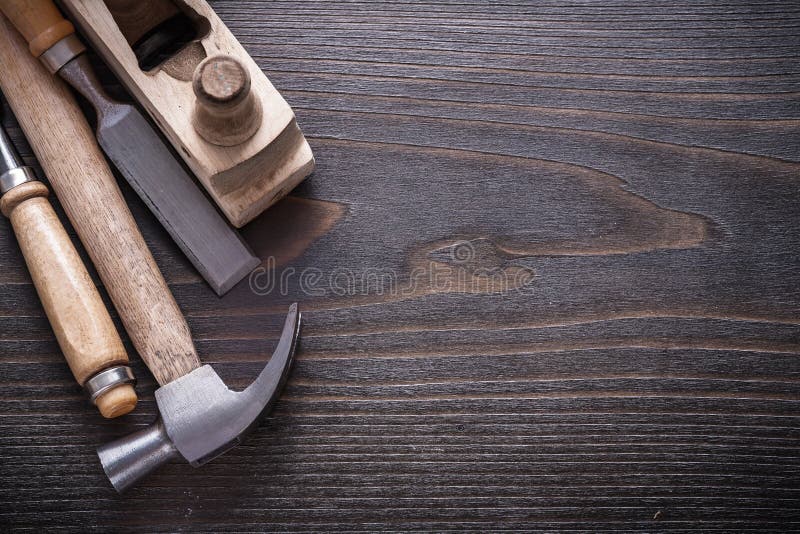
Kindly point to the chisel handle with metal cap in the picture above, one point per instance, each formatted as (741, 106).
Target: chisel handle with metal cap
(80, 321)
(138, 151)
(67, 150)
(40, 22)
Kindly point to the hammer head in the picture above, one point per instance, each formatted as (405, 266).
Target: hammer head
(200, 417)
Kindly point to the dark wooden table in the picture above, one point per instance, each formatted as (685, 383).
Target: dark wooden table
(549, 269)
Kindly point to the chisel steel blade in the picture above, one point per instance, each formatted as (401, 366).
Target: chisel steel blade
(147, 164)
(145, 161)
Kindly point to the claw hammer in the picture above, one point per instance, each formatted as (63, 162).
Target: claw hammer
(200, 418)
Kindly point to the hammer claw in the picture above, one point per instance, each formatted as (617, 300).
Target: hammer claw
(266, 389)
(201, 418)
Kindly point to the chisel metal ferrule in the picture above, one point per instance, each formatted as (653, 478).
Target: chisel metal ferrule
(108, 379)
(62, 53)
(12, 171)
(14, 177)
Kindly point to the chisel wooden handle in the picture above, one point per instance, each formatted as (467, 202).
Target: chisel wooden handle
(66, 147)
(80, 321)
(39, 21)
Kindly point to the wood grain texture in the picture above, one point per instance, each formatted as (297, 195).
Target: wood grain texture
(629, 171)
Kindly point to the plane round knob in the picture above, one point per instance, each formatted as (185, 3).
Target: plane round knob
(226, 111)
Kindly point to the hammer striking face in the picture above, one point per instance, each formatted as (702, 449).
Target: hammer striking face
(200, 417)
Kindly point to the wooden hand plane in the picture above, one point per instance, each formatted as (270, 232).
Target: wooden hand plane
(214, 104)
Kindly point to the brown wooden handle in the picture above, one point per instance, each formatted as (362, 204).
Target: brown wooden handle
(39, 21)
(80, 321)
(66, 147)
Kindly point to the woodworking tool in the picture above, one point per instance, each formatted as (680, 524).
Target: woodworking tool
(63, 142)
(66, 147)
(80, 321)
(138, 152)
(207, 95)
(226, 112)
(200, 418)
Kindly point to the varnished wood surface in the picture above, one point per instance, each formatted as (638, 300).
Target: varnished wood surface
(635, 162)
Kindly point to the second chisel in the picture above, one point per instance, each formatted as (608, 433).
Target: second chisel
(80, 321)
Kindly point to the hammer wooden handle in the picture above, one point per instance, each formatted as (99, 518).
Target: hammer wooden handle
(80, 321)
(39, 21)
(66, 147)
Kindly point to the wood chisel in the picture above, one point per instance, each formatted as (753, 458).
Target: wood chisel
(66, 147)
(137, 150)
(80, 321)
